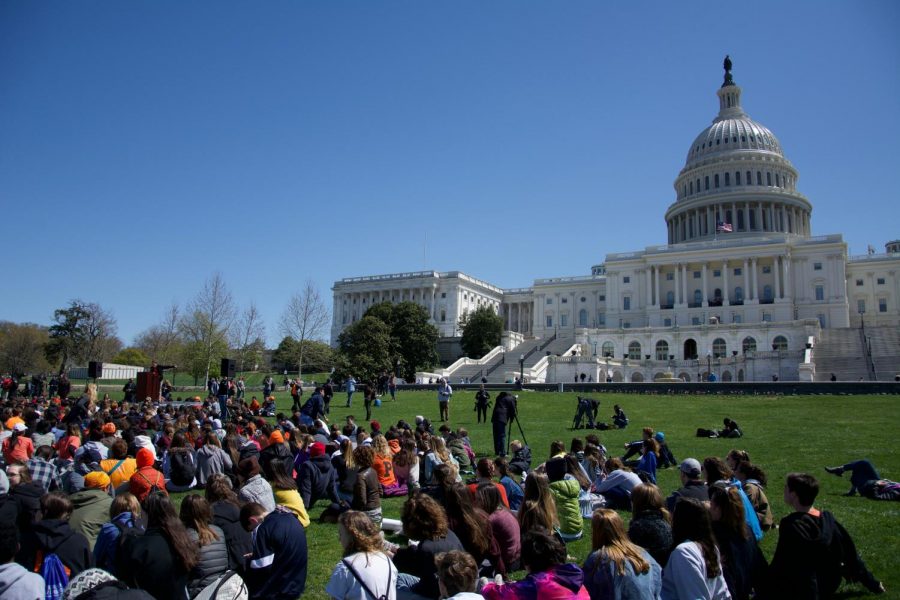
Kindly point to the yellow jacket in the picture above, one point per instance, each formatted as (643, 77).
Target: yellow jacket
(291, 499)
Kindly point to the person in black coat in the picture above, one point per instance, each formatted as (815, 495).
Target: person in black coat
(317, 478)
(504, 412)
(25, 494)
(226, 511)
(650, 526)
(743, 564)
(424, 520)
(159, 561)
(52, 535)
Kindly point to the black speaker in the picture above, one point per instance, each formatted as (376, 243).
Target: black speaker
(95, 370)
(228, 368)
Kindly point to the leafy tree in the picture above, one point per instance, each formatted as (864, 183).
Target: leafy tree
(304, 318)
(206, 325)
(22, 348)
(318, 356)
(131, 356)
(414, 338)
(481, 332)
(66, 333)
(363, 349)
(100, 341)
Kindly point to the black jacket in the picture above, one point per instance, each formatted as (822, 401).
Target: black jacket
(317, 479)
(213, 561)
(650, 531)
(27, 497)
(56, 537)
(694, 488)
(148, 562)
(743, 564)
(504, 408)
(346, 477)
(228, 518)
(419, 561)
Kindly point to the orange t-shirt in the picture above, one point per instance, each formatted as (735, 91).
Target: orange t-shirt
(473, 487)
(22, 451)
(120, 475)
(11, 422)
(63, 445)
(385, 469)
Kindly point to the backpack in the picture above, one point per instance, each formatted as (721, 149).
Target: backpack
(55, 574)
(126, 534)
(229, 586)
(182, 468)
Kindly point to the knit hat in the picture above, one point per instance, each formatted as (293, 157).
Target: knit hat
(276, 437)
(85, 582)
(145, 458)
(109, 428)
(316, 449)
(690, 467)
(96, 479)
(375, 425)
(660, 436)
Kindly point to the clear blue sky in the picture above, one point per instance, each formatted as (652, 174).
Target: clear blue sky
(145, 145)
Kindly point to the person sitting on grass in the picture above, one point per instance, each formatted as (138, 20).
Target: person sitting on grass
(276, 569)
(616, 485)
(646, 467)
(365, 571)
(566, 491)
(367, 490)
(743, 563)
(754, 481)
(864, 478)
(694, 569)
(457, 576)
(717, 471)
(651, 523)
(485, 472)
(284, 488)
(549, 575)
(814, 551)
(514, 492)
(617, 567)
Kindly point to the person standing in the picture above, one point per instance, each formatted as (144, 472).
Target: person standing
(350, 386)
(482, 402)
(392, 387)
(444, 391)
(505, 410)
(328, 394)
(296, 392)
(130, 390)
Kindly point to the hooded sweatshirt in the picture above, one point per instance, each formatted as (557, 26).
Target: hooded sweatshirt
(16, 583)
(317, 478)
(55, 536)
(146, 477)
(562, 582)
(91, 512)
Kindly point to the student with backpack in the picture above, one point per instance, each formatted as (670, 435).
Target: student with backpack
(52, 549)
(125, 521)
(180, 465)
(146, 479)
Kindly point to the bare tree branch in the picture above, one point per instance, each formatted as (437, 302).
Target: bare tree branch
(305, 317)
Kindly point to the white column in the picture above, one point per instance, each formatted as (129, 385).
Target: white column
(705, 295)
(677, 285)
(656, 285)
(746, 282)
(684, 285)
(726, 294)
(649, 286)
(755, 279)
(785, 262)
(775, 272)
(746, 216)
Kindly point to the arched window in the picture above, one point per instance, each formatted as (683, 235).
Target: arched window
(748, 345)
(769, 178)
(637, 377)
(738, 294)
(717, 179)
(692, 187)
(698, 297)
(717, 296)
(779, 343)
(634, 350)
(727, 179)
(608, 349)
(582, 318)
(706, 182)
(737, 178)
(720, 350)
(758, 178)
(670, 298)
(767, 292)
(662, 350)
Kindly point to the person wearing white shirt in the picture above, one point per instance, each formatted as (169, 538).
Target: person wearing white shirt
(365, 572)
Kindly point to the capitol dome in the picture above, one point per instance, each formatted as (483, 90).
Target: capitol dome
(736, 177)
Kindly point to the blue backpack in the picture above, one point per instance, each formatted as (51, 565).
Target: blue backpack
(55, 574)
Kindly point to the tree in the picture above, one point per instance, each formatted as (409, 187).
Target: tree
(318, 356)
(206, 325)
(249, 338)
(66, 333)
(22, 348)
(162, 342)
(304, 318)
(131, 356)
(481, 332)
(99, 340)
(363, 349)
(413, 340)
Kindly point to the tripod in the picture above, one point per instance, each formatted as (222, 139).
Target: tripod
(509, 433)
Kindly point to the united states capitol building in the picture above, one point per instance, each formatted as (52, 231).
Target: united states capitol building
(741, 290)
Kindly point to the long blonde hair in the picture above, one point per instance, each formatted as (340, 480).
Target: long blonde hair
(538, 509)
(439, 447)
(380, 444)
(90, 391)
(608, 537)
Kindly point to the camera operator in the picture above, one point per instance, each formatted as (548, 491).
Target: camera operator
(587, 408)
(504, 412)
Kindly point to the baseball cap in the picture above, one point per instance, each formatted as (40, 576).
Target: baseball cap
(690, 467)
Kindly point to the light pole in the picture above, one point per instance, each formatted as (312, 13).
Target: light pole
(521, 369)
(708, 366)
(595, 348)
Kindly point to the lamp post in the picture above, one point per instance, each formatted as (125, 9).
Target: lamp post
(595, 348)
(521, 369)
(708, 366)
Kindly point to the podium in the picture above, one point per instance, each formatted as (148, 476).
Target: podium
(147, 386)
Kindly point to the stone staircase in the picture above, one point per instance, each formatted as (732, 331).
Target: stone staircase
(884, 343)
(841, 352)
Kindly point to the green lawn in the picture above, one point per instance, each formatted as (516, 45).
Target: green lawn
(782, 434)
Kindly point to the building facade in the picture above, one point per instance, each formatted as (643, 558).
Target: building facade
(741, 272)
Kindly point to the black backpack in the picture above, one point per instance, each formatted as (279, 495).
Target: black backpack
(181, 467)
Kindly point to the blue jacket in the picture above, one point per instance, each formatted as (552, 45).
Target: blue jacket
(602, 579)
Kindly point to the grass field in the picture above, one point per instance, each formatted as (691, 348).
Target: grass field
(781, 433)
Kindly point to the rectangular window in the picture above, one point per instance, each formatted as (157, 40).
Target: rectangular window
(670, 276)
(696, 274)
(626, 303)
(549, 321)
(667, 322)
(738, 271)
(626, 279)
(565, 300)
(736, 318)
(563, 320)
(861, 306)
(820, 293)
(882, 305)
(817, 266)
(695, 320)
(601, 318)
(727, 179)
(602, 297)
(766, 317)
(859, 283)
(717, 273)
(626, 325)
(880, 281)
(443, 294)
(767, 269)
(549, 300)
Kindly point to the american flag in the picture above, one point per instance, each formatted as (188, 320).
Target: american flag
(722, 226)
